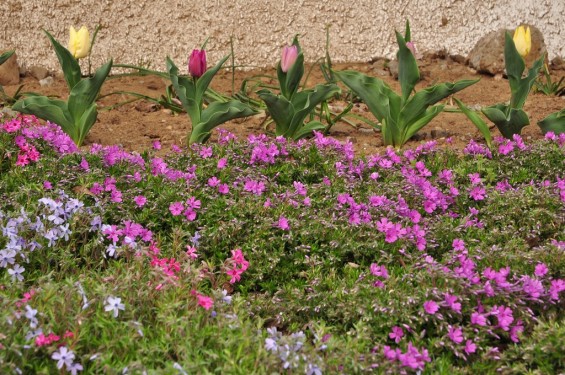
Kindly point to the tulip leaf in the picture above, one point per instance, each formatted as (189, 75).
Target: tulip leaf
(555, 123)
(85, 123)
(86, 91)
(280, 109)
(419, 123)
(514, 63)
(419, 102)
(203, 82)
(477, 121)
(308, 128)
(53, 110)
(185, 90)
(5, 56)
(408, 73)
(305, 101)
(520, 95)
(70, 66)
(216, 114)
(510, 124)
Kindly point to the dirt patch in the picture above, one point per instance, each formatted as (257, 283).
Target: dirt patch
(136, 125)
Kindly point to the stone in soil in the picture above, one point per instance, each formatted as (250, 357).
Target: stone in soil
(10, 71)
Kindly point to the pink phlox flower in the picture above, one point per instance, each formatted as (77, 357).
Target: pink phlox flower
(204, 301)
(176, 208)
(223, 189)
(477, 193)
(541, 270)
(140, 200)
(193, 203)
(396, 334)
(451, 302)
(283, 223)
(475, 178)
(235, 274)
(431, 307)
(470, 347)
(379, 271)
(516, 330)
(222, 163)
(458, 244)
(532, 287)
(504, 316)
(206, 152)
(239, 259)
(455, 335)
(213, 181)
(255, 187)
(300, 188)
(191, 252)
(506, 147)
(555, 288)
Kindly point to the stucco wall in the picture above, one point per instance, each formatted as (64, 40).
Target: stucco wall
(145, 31)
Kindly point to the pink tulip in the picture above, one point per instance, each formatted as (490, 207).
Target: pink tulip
(289, 55)
(197, 63)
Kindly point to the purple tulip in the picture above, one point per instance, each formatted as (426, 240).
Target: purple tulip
(197, 63)
(289, 55)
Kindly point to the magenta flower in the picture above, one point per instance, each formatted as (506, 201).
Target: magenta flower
(289, 56)
(140, 200)
(431, 307)
(396, 334)
(541, 270)
(451, 301)
(455, 334)
(470, 347)
(176, 208)
(204, 301)
(197, 63)
(283, 223)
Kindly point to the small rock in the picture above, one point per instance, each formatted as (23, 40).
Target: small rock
(438, 133)
(146, 107)
(366, 130)
(8, 111)
(459, 59)
(558, 63)
(38, 72)
(10, 71)
(487, 56)
(45, 82)
(393, 68)
(420, 136)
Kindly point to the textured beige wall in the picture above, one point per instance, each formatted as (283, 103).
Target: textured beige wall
(137, 31)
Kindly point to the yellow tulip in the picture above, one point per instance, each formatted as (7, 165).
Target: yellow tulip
(523, 40)
(79, 42)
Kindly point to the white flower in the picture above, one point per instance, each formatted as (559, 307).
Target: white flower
(74, 368)
(63, 357)
(16, 272)
(115, 304)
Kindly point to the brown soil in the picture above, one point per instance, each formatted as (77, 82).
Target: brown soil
(138, 124)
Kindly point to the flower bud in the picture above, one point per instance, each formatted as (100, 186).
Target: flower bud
(289, 55)
(79, 42)
(197, 63)
(523, 40)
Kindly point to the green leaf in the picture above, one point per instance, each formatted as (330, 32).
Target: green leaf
(5, 56)
(203, 82)
(85, 92)
(477, 121)
(408, 73)
(69, 65)
(53, 110)
(280, 109)
(305, 101)
(417, 104)
(520, 95)
(186, 91)
(514, 63)
(290, 81)
(510, 124)
(383, 103)
(216, 114)
(407, 35)
(85, 123)
(307, 129)
(424, 119)
(555, 122)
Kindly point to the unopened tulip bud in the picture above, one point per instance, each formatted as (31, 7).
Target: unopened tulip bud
(289, 55)
(79, 42)
(197, 63)
(523, 40)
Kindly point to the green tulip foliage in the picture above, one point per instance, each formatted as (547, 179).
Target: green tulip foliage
(511, 118)
(78, 113)
(290, 108)
(555, 123)
(401, 116)
(5, 56)
(190, 91)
